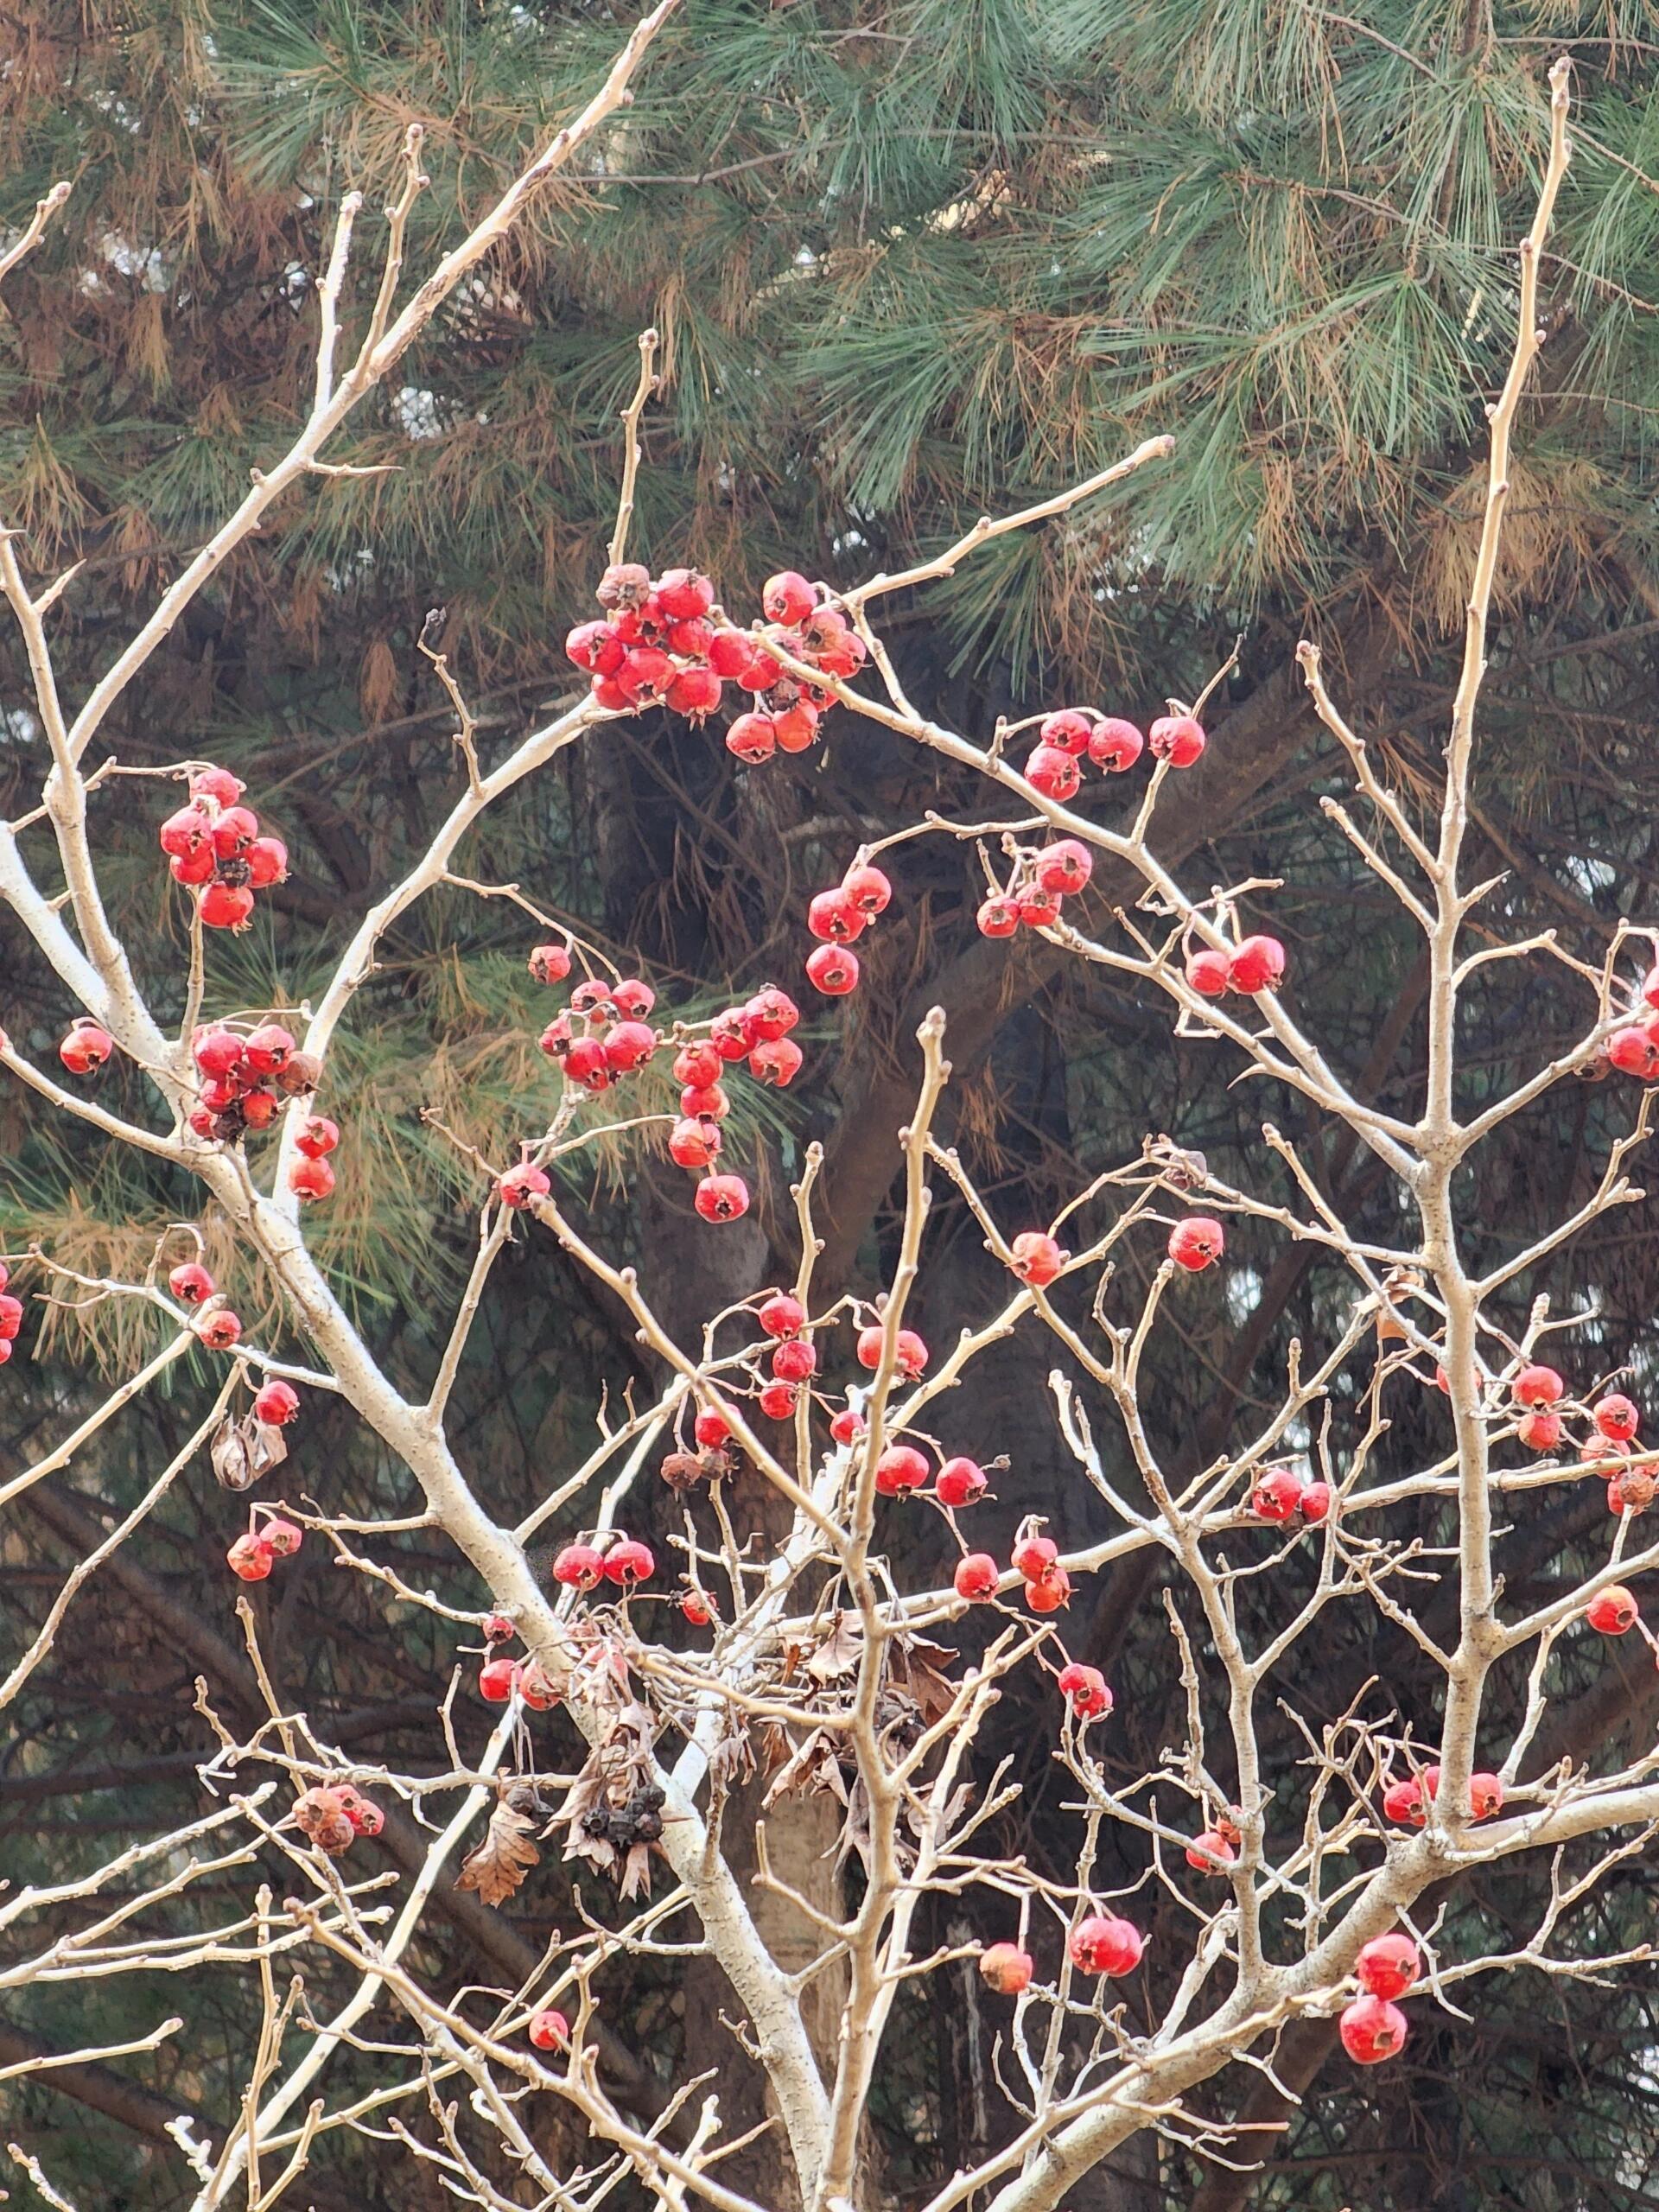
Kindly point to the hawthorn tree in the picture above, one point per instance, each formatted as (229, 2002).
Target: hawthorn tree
(1275, 1893)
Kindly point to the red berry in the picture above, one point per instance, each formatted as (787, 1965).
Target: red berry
(311, 1178)
(259, 1110)
(187, 833)
(997, 916)
(1048, 1595)
(1036, 1258)
(712, 1104)
(868, 889)
(1037, 909)
(1064, 867)
(217, 1052)
(549, 2031)
(1177, 738)
(760, 671)
(697, 1065)
(537, 1688)
(284, 1537)
(318, 1136)
(625, 583)
(782, 1315)
(646, 674)
(1258, 964)
(1005, 1968)
(976, 1576)
(909, 1350)
(1485, 1796)
(797, 728)
(276, 1403)
(497, 1629)
(1541, 1431)
(1084, 1689)
(1372, 2030)
(596, 647)
(1067, 732)
(695, 693)
(794, 1362)
(730, 653)
(1277, 1494)
(250, 1557)
(267, 860)
(497, 1680)
(1404, 1801)
(960, 1482)
(848, 1427)
(1212, 1851)
(693, 1142)
(752, 738)
(1315, 1501)
(1194, 1243)
(11, 1319)
(1612, 1610)
(1054, 773)
(1630, 1491)
(684, 593)
(629, 1562)
(833, 969)
(711, 1429)
(722, 1198)
(235, 829)
(1034, 1557)
(585, 1063)
(196, 868)
(219, 1331)
(788, 598)
(830, 917)
(696, 1609)
(1104, 1945)
(520, 1186)
(901, 1467)
(1635, 1051)
(770, 1013)
(777, 1062)
(549, 964)
(1387, 1966)
(190, 1283)
(87, 1046)
(579, 1567)
(217, 784)
(1615, 1417)
(1115, 744)
(629, 1046)
(777, 1401)
(224, 906)
(609, 693)
(1538, 1386)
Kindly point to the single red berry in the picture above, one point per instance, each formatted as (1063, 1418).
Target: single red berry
(1005, 1968)
(549, 2031)
(1037, 909)
(1054, 773)
(697, 1065)
(1538, 1386)
(709, 1104)
(630, 1562)
(1485, 1796)
(1177, 738)
(796, 728)
(1372, 2030)
(497, 1629)
(976, 1576)
(711, 1429)
(1051, 1594)
(585, 1063)
(521, 1186)
(684, 593)
(11, 1319)
(730, 653)
(868, 889)
(1064, 867)
(788, 598)
(235, 829)
(1194, 1243)
(782, 1315)
(190, 1283)
(1208, 972)
(629, 1046)
(1115, 744)
(311, 1178)
(259, 1110)
(187, 833)
(794, 1362)
(225, 907)
(694, 692)
(832, 918)
(1211, 1852)
(87, 1047)
(1036, 1258)
(909, 1350)
(549, 964)
(1034, 1556)
(1387, 1966)
(1069, 731)
(632, 998)
(317, 1136)
(901, 1467)
(960, 1482)
(217, 1052)
(1404, 1801)
(722, 1198)
(1084, 1689)
(1612, 1610)
(365, 1818)
(198, 867)
(276, 1403)
(284, 1537)
(752, 738)
(646, 674)
(776, 1062)
(1615, 1417)
(217, 784)
(537, 1688)
(219, 1331)
(250, 1557)
(770, 1013)
(777, 1401)
(1105, 1945)
(847, 1426)
(579, 1567)
(833, 969)
(596, 647)
(1258, 964)
(1277, 1494)
(696, 1608)
(1315, 1502)
(693, 1142)
(267, 863)
(609, 693)
(1635, 1051)
(1541, 1431)
(760, 671)
(997, 916)
(497, 1680)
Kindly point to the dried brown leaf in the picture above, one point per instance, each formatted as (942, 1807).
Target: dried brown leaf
(499, 1865)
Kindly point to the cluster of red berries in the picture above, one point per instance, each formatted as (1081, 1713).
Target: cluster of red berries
(245, 1081)
(625, 1560)
(1215, 1849)
(502, 1677)
(334, 1817)
(664, 642)
(616, 1040)
(1408, 1800)
(1280, 1493)
(838, 916)
(1036, 1558)
(214, 845)
(792, 1363)
(1031, 898)
(12, 1316)
(1373, 2027)
(1614, 1421)
(1066, 739)
(1256, 963)
(220, 1329)
(253, 1554)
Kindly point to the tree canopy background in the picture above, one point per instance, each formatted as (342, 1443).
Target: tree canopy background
(911, 260)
